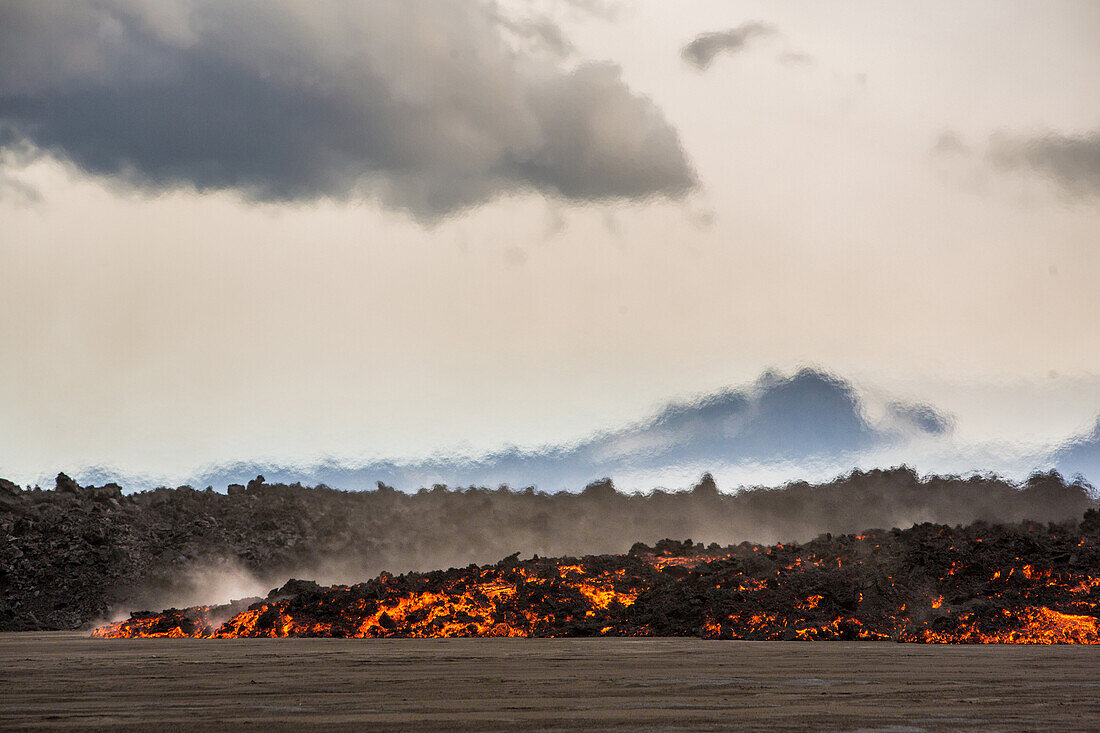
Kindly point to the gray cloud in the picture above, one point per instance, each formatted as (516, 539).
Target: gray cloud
(432, 105)
(701, 51)
(1071, 162)
(540, 34)
(20, 192)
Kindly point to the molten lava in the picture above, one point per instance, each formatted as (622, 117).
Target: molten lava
(930, 584)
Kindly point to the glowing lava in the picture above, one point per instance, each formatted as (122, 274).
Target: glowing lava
(930, 584)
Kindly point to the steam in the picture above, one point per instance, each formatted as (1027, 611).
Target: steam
(217, 582)
(340, 537)
(212, 582)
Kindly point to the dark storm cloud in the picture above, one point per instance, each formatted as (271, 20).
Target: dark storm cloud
(1071, 162)
(705, 47)
(430, 105)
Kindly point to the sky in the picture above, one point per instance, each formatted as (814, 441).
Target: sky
(338, 233)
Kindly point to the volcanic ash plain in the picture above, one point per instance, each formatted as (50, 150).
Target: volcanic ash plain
(66, 681)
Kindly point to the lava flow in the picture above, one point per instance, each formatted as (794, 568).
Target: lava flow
(1018, 584)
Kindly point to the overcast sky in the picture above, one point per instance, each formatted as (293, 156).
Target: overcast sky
(283, 231)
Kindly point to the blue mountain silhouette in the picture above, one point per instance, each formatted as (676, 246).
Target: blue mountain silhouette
(808, 416)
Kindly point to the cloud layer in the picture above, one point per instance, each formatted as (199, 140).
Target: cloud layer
(1069, 162)
(431, 106)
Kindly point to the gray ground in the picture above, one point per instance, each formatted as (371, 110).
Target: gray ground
(65, 681)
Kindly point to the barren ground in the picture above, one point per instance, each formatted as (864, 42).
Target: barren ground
(63, 680)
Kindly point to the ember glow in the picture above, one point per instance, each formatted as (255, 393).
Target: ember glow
(1025, 584)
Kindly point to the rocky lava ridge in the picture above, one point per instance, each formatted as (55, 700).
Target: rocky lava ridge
(73, 554)
(1024, 583)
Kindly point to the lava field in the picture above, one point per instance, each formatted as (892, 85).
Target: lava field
(985, 583)
(73, 554)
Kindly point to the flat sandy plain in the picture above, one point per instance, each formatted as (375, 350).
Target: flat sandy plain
(64, 681)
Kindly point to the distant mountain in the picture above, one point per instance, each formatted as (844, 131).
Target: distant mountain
(1080, 456)
(800, 419)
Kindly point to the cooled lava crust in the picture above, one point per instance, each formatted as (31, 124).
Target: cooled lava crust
(1021, 584)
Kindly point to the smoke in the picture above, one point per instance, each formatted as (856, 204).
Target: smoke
(211, 582)
(345, 537)
(219, 581)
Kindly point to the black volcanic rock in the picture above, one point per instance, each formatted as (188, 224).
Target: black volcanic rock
(65, 485)
(73, 555)
(984, 583)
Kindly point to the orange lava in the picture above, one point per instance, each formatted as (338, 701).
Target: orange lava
(784, 592)
(1031, 625)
